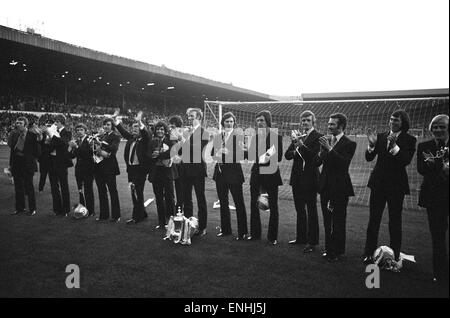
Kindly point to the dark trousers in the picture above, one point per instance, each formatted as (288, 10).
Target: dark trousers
(438, 221)
(307, 223)
(255, 218)
(238, 197)
(165, 201)
(59, 188)
(107, 182)
(179, 191)
(334, 223)
(198, 183)
(85, 185)
(378, 199)
(43, 172)
(137, 175)
(23, 185)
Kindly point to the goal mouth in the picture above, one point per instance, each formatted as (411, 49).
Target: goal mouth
(362, 114)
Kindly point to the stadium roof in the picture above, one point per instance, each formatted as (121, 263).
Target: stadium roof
(55, 58)
(377, 94)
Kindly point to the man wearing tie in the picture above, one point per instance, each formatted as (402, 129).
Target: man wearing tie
(229, 176)
(335, 185)
(44, 158)
(433, 164)
(84, 168)
(23, 157)
(106, 170)
(388, 181)
(266, 149)
(305, 181)
(194, 167)
(136, 161)
(60, 160)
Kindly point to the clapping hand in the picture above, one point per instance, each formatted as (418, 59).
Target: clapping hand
(372, 137)
(392, 139)
(324, 143)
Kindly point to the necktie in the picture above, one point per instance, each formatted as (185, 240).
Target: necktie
(133, 152)
(333, 141)
(20, 142)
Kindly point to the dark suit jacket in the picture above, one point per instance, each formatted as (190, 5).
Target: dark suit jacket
(390, 171)
(141, 146)
(196, 141)
(228, 166)
(85, 162)
(306, 177)
(31, 151)
(334, 178)
(435, 188)
(109, 165)
(45, 152)
(256, 177)
(157, 171)
(61, 145)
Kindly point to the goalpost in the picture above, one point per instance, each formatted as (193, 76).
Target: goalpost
(362, 115)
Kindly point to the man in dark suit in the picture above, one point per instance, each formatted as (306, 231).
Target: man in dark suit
(229, 176)
(162, 173)
(433, 164)
(59, 161)
(84, 168)
(44, 158)
(305, 181)
(388, 181)
(194, 167)
(335, 185)
(106, 170)
(175, 124)
(136, 161)
(23, 164)
(266, 149)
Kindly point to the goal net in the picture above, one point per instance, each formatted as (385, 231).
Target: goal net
(362, 115)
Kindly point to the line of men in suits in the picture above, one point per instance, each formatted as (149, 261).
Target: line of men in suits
(178, 156)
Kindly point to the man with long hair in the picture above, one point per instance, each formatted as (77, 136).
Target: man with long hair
(388, 181)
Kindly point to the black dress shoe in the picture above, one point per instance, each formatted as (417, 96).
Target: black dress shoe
(31, 213)
(293, 242)
(324, 254)
(309, 249)
(16, 212)
(131, 222)
(274, 242)
(100, 219)
(253, 238)
(203, 232)
(368, 259)
(222, 234)
(115, 220)
(241, 237)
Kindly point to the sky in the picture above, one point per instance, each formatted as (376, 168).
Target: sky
(275, 47)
